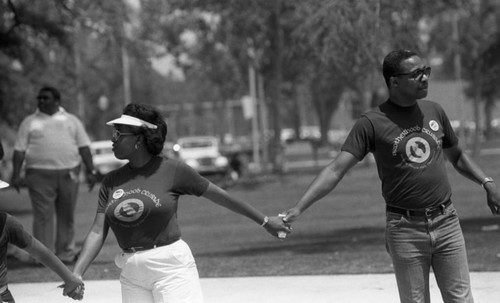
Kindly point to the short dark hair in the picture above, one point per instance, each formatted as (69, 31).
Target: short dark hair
(55, 93)
(392, 63)
(153, 138)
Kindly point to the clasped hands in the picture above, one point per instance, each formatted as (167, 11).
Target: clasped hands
(74, 289)
(279, 226)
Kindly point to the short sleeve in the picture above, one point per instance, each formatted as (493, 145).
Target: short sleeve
(360, 138)
(21, 143)
(188, 181)
(82, 139)
(450, 138)
(16, 234)
(103, 198)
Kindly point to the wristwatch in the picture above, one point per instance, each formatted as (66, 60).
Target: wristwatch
(486, 180)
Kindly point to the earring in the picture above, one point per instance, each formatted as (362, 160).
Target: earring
(136, 146)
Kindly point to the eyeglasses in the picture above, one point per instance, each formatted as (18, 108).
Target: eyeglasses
(42, 98)
(417, 74)
(117, 134)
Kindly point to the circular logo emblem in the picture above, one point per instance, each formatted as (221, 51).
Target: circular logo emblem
(433, 125)
(118, 194)
(417, 150)
(129, 210)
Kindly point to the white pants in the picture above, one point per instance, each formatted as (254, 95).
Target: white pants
(165, 274)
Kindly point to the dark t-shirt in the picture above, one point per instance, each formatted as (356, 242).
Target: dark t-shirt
(407, 143)
(11, 231)
(140, 205)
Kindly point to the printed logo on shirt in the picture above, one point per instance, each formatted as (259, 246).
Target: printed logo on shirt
(118, 193)
(434, 125)
(129, 210)
(130, 207)
(417, 145)
(417, 150)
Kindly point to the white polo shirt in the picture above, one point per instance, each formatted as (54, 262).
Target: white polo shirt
(51, 141)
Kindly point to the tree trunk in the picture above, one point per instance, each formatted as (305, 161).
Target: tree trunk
(488, 116)
(276, 150)
(477, 132)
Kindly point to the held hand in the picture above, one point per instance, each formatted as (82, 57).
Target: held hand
(276, 227)
(291, 215)
(91, 180)
(74, 288)
(16, 183)
(493, 198)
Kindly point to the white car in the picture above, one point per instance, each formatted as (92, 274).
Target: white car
(202, 153)
(104, 158)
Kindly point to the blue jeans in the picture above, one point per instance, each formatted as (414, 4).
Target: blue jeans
(417, 244)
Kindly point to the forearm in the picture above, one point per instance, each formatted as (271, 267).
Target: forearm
(324, 183)
(17, 162)
(469, 169)
(47, 258)
(86, 156)
(91, 248)
(222, 198)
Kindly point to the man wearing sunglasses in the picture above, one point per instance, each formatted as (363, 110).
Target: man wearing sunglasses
(410, 139)
(52, 143)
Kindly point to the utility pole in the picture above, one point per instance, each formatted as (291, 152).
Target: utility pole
(126, 73)
(457, 63)
(264, 125)
(255, 119)
(77, 46)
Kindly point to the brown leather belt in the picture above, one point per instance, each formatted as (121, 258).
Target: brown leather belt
(422, 213)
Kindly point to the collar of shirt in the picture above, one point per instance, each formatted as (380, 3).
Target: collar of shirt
(60, 111)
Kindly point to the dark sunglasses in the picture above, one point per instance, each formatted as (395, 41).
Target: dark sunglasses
(117, 134)
(42, 98)
(417, 74)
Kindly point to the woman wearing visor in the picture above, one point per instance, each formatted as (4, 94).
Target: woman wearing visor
(139, 203)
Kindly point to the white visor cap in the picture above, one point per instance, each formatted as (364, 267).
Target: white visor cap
(133, 121)
(3, 184)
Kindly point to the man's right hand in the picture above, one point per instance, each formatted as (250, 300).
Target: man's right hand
(15, 182)
(291, 215)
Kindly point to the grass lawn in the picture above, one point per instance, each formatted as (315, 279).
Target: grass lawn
(341, 234)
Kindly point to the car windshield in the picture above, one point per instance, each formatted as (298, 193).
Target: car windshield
(196, 144)
(100, 151)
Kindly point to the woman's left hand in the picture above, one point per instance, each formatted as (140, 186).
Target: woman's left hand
(74, 288)
(277, 227)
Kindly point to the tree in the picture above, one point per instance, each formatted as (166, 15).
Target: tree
(474, 26)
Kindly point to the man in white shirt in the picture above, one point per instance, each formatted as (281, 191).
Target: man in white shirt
(52, 143)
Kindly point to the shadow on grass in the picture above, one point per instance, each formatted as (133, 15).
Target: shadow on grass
(340, 251)
(311, 243)
(357, 239)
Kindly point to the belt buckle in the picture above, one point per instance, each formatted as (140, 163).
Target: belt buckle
(131, 250)
(428, 212)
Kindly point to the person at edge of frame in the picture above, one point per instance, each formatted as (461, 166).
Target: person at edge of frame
(52, 143)
(410, 139)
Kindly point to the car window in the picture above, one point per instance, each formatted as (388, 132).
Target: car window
(101, 151)
(196, 144)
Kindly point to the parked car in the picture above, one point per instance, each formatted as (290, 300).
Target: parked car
(104, 158)
(203, 154)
